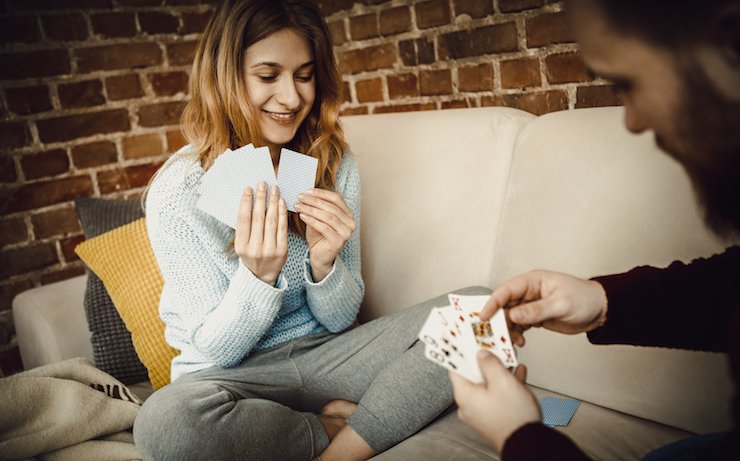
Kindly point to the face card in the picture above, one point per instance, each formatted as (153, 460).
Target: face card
(296, 175)
(441, 348)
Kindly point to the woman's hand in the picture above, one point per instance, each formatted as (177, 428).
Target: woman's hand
(329, 224)
(261, 238)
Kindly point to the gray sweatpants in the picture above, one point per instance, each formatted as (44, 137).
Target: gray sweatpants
(265, 408)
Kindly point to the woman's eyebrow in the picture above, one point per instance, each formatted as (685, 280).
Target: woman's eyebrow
(278, 66)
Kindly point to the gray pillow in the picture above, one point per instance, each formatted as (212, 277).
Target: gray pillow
(113, 350)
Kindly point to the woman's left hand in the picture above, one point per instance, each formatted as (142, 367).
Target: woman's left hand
(329, 224)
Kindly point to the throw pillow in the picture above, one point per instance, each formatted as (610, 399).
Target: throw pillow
(124, 261)
(113, 350)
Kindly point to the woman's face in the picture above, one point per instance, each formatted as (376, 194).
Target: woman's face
(280, 84)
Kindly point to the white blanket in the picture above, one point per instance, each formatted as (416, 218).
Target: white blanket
(68, 410)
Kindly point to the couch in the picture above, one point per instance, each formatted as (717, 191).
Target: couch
(470, 197)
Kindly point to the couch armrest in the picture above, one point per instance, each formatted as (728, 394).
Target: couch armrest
(50, 323)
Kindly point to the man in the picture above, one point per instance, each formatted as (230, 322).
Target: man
(677, 67)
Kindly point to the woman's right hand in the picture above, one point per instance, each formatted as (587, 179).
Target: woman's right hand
(261, 238)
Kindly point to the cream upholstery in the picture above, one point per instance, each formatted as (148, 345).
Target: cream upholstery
(473, 196)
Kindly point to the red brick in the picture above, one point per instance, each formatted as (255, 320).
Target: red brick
(62, 274)
(94, 154)
(158, 23)
(496, 38)
(195, 23)
(9, 290)
(112, 57)
(65, 27)
(336, 30)
(363, 27)
(432, 13)
(81, 94)
(128, 178)
(566, 68)
(509, 6)
(403, 86)
(114, 25)
(28, 100)
(181, 53)
(456, 104)
(27, 259)
(537, 103)
(369, 90)
(42, 5)
(14, 134)
(45, 164)
(175, 140)
(68, 247)
(395, 20)
(166, 113)
(12, 230)
(597, 96)
(139, 175)
(22, 29)
(123, 87)
(329, 7)
(369, 58)
(548, 28)
(354, 111)
(169, 83)
(55, 223)
(28, 64)
(417, 107)
(475, 78)
(7, 169)
(435, 82)
(346, 92)
(474, 8)
(145, 145)
(415, 52)
(71, 127)
(520, 73)
(38, 194)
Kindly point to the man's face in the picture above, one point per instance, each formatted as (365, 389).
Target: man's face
(692, 122)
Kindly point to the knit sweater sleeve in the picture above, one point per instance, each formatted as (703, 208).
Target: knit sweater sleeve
(221, 317)
(335, 300)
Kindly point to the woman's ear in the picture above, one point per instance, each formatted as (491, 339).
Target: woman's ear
(720, 53)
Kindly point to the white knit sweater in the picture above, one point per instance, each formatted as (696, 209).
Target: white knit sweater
(214, 309)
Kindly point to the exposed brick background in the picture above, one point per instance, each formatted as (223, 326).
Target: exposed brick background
(91, 92)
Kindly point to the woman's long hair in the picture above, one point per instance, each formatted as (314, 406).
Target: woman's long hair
(219, 115)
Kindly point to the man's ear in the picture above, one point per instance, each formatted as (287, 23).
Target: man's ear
(720, 53)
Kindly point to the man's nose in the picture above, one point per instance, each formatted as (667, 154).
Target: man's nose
(633, 120)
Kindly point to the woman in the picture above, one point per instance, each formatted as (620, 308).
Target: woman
(264, 372)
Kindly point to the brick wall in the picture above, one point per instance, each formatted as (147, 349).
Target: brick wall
(92, 91)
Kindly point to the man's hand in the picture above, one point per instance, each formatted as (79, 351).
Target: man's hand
(558, 302)
(499, 406)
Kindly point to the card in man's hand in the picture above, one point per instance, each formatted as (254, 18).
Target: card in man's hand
(454, 334)
(221, 187)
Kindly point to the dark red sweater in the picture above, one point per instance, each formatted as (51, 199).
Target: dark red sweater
(656, 307)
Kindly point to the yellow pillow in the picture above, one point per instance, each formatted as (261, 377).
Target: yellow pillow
(124, 261)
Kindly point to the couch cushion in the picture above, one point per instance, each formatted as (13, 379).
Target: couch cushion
(113, 350)
(432, 188)
(588, 198)
(124, 261)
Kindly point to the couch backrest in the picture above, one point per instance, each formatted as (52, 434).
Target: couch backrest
(432, 188)
(586, 197)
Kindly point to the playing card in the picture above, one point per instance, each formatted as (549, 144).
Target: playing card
(296, 175)
(441, 347)
(222, 185)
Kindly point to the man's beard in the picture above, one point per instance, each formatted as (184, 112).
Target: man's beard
(710, 152)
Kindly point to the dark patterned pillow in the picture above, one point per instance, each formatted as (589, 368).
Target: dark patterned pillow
(113, 350)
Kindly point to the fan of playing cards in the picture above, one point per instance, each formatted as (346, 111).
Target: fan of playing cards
(222, 185)
(454, 334)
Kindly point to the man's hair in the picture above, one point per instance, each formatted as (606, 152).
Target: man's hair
(666, 23)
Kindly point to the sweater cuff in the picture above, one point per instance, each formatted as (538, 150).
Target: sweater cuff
(335, 300)
(535, 442)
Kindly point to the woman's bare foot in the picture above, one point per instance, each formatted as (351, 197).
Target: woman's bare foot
(339, 407)
(332, 424)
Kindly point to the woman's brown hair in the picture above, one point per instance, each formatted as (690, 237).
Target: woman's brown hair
(219, 115)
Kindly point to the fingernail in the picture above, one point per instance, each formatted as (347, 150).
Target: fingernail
(262, 186)
(274, 190)
(483, 354)
(300, 196)
(311, 191)
(297, 206)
